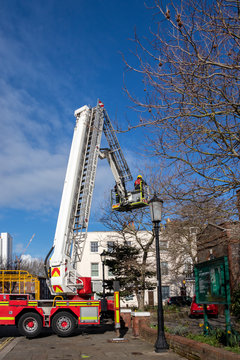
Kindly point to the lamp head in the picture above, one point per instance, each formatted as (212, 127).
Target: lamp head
(103, 256)
(156, 205)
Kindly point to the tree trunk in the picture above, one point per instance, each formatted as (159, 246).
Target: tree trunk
(140, 299)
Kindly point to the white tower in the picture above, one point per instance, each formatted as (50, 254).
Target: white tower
(5, 250)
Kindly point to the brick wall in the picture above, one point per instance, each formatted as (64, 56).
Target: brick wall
(221, 241)
(187, 348)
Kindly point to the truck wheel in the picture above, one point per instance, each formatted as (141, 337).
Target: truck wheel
(64, 324)
(30, 325)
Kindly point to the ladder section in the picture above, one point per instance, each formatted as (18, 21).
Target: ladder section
(116, 152)
(82, 164)
(86, 185)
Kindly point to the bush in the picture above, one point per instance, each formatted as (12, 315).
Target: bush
(235, 307)
(179, 330)
(171, 308)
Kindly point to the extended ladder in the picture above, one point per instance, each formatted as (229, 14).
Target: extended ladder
(116, 152)
(83, 197)
(74, 212)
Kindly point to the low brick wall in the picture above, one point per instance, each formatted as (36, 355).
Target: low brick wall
(187, 348)
(138, 317)
(126, 317)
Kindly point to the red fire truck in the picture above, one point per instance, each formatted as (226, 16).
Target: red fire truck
(73, 302)
(63, 316)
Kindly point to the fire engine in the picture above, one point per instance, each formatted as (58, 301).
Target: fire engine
(74, 304)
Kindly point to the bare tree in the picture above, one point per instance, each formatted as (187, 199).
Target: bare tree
(190, 69)
(181, 232)
(134, 227)
(33, 265)
(14, 280)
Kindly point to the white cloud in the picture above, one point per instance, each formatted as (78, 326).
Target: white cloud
(33, 156)
(32, 163)
(27, 258)
(35, 138)
(35, 124)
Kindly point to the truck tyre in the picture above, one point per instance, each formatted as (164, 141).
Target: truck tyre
(64, 324)
(30, 324)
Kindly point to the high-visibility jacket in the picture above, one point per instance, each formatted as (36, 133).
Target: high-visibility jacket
(137, 183)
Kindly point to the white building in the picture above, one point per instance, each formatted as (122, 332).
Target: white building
(91, 266)
(5, 250)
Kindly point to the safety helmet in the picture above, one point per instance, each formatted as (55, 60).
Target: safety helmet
(139, 176)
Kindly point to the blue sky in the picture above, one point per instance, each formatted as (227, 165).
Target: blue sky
(55, 57)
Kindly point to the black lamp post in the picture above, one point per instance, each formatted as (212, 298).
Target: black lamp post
(156, 215)
(103, 259)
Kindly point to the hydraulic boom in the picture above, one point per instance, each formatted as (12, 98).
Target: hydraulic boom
(74, 212)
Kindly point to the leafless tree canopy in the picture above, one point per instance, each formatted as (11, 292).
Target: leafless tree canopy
(181, 232)
(34, 267)
(190, 69)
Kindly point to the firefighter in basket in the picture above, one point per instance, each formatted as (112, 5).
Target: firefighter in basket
(139, 185)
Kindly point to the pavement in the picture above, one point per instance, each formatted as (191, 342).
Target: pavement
(88, 343)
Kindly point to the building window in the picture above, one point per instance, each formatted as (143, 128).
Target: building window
(188, 271)
(193, 230)
(164, 268)
(97, 287)
(94, 269)
(110, 273)
(110, 246)
(188, 267)
(94, 246)
(163, 245)
(165, 292)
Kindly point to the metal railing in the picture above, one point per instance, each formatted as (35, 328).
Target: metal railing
(19, 282)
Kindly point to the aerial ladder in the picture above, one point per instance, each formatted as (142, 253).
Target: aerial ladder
(74, 212)
(121, 198)
(73, 303)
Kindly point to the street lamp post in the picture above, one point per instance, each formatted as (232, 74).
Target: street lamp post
(156, 215)
(103, 259)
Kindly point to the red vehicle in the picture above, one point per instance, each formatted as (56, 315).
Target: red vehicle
(73, 304)
(63, 316)
(197, 309)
